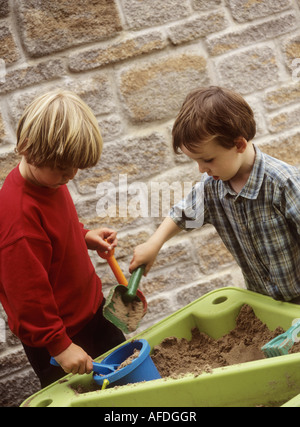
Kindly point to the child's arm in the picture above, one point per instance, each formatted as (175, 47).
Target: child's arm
(146, 253)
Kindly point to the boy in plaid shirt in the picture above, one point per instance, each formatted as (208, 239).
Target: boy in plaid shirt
(251, 198)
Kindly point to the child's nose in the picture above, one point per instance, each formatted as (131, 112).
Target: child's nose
(203, 169)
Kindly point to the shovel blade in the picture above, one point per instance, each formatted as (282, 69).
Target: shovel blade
(125, 316)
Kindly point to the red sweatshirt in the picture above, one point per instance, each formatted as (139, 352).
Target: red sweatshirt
(48, 285)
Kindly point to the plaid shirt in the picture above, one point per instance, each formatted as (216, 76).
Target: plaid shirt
(260, 226)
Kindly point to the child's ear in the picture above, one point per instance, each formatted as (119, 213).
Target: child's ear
(241, 144)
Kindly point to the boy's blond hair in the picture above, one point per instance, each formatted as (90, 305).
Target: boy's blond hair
(213, 114)
(59, 130)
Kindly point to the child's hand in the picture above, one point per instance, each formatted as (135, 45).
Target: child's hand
(146, 254)
(101, 239)
(75, 360)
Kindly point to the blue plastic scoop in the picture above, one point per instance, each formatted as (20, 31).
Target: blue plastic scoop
(139, 366)
(98, 368)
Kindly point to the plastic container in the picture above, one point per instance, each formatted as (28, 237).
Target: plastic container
(140, 369)
(267, 382)
(293, 403)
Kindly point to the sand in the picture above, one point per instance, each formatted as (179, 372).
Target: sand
(128, 361)
(175, 357)
(130, 314)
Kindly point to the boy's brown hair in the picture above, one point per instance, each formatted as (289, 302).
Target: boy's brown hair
(212, 113)
(58, 129)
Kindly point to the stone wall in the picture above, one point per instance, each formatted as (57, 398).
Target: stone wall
(133, 62)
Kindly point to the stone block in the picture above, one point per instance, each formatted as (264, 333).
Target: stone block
(186, 174)
(247, 10)
(117, 51)
(158, 308)
(11, 338)
(117, 202)
(4, 8)
(32, 75)
(285, 148)
(167, 280)
(193, 292)
(96, 91)
(174, 252)
(18, 387)
(291, 50)
(3, 315)
(128, 240)
(11, 361)
(136, 158)
(2, 129)
(249, 70)
(211, 252)
(170, 187)
(51, 26)
(9, 50)
(93, 213)
(156, 89)
(282, 96)
(8, 161)
(111, 127)
(205, 5)
(259, 115)
(149, 13)
(285, 120)
(252, 34)
(197, 27)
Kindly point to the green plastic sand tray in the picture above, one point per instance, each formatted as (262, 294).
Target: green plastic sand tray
(266, 382)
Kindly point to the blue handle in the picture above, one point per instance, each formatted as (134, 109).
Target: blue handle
(97, 367)
(53, 362)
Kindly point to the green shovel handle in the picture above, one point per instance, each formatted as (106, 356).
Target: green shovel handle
(133, 284)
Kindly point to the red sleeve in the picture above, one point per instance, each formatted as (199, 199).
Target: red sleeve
(28, 295)
(84, 230)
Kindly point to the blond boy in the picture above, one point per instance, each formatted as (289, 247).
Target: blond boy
(48, 286)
